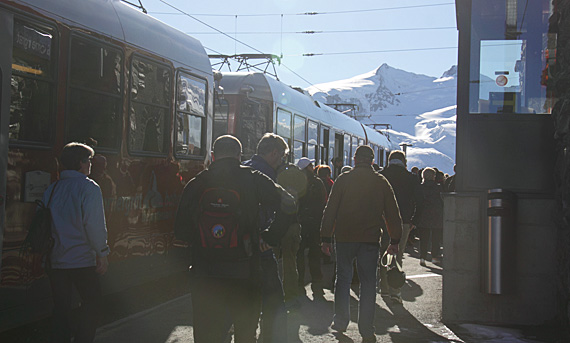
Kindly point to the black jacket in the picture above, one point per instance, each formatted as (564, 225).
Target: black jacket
(406, 189)
(255, 190)
(430, 208)
(312, 204)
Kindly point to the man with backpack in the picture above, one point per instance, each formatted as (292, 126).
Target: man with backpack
(218, 216)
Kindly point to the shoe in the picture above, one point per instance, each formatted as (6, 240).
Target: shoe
(371, 339)
(422, 262)
(334, 327)
(396, 299)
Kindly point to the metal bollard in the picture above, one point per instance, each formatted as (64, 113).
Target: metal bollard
(499, 248)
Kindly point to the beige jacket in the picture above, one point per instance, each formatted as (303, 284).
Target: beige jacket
(359, 200)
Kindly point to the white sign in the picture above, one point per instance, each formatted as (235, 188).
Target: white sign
(36, 183)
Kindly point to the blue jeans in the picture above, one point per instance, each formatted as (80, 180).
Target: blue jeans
(274, 314)
(366, 255)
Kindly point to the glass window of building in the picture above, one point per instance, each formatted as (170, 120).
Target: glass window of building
(32, 84)
(190, 116)
(149, 106)
(95, 88)
(511, 52)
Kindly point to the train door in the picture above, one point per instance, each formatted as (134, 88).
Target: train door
(6, 30)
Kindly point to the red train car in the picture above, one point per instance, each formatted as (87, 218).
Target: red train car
(137, 90)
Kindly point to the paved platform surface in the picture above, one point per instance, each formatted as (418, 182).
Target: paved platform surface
(161, 313)
(418, 319)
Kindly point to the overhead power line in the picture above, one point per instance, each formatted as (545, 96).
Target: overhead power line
(370, 52)
(308, 13)
(328, 32)
(210, 26)
(225, 34)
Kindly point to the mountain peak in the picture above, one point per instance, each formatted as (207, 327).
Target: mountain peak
(452, 72)
(382, 68)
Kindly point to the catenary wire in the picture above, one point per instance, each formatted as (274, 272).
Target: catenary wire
(329, 31)
(308, 13)
(261, 52)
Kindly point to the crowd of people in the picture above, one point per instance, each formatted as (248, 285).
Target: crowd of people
(241, 218)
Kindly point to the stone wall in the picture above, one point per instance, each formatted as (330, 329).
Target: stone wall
(534, 300)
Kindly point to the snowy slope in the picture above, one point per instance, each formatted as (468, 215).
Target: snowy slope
(420, 109)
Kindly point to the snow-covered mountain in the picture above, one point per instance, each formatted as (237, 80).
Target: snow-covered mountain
(420, 109)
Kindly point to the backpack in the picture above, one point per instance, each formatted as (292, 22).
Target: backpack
(224, 243)
(39, 239)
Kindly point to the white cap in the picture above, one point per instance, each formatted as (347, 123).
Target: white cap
(304, 162)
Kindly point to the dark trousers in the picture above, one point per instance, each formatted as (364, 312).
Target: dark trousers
(436, 237)
(213, 299)
(274, 314)
(87, 284)
(310, 242)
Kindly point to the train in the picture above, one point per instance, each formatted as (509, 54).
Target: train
(144, 95)
(248, 104)
(138, 91)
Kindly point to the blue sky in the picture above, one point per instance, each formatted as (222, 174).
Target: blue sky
(270, 26)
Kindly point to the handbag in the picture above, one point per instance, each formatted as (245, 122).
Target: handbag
(396, 277)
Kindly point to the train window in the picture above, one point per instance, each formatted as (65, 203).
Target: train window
(221, 114)
(149, 106)
(346, 151)
(190, 116)
(330, 155)
(32, 84)
(313, 141)
(323, 144)
(283, 123)
(354, 145)
(299, 129)
(360, 141)
(95, 101)
(299, 132)
(254, 120)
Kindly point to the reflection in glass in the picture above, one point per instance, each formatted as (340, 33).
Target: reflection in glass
(254, 120)
(191, 106)
(31, 84)
(299, 129)
(313, 133)
(95, 116)
(283, 123)
(30, 110)
(511, 51)
(297, 151)
(95, 94)
(150, 103)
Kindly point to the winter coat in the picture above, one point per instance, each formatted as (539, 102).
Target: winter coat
(406, 188)
(430, 208)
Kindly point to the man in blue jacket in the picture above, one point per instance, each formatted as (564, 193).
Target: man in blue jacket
(271, 150)
(80, 249)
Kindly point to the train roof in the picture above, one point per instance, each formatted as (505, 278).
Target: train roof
(123, 22)
(267, 88)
